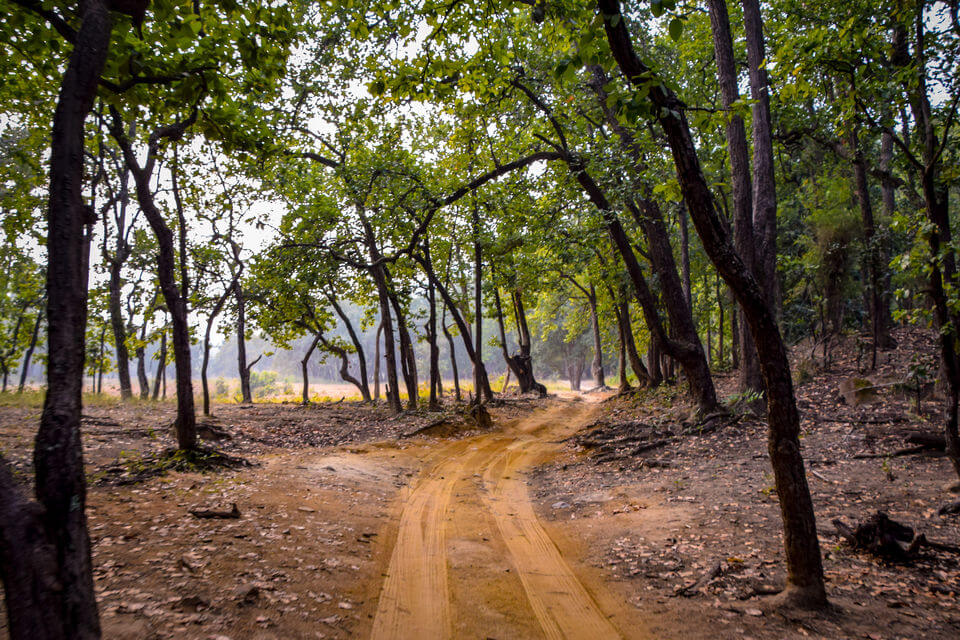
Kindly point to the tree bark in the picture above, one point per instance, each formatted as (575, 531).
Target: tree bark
(743, 219)
(805, 586)
(142, 379)
(161, 363)
(764, 181)
(217, 308)
(242, 369)
(28, 356)
(186, 422)
(408, 360)
(453, 355)
(521, 363)
(357, 345)
(304, 368)
(376, 362)
(44, 545)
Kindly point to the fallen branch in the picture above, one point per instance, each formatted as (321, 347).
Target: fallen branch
(213, 513)
(695, 586)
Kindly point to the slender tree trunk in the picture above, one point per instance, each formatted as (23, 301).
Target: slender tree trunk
(186, 423)
(465, 333)
(764, 181)
(878, 306)
(142, 379)
(358, 347)
(453, 356)
(304, 368)
(103, 336)
(242, 368)
(743, 221)
(119, 327)
(434, 349)
(217, 308)
(161, 364)
(408, 360)
(636, 363)
(685, 255)
(477, 304)
(805, 585)
(376, 362)
(596, 368)
(44, 545)
(25, 369)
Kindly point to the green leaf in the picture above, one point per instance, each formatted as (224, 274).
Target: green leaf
(675, 28)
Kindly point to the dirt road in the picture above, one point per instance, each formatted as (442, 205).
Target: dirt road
(471, 558)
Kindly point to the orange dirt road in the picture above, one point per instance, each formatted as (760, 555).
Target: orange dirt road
(472, 560)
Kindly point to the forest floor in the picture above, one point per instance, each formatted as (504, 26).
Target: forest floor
(357, 524)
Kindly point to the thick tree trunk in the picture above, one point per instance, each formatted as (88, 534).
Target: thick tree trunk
(636, 363)
(431, 331)
(44, 545)
(684, 343)
(805, 586)
(304, 368)
(521, 363)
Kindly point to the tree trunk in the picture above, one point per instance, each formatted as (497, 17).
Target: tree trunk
(636, 363)
(878, 306)
(357, 345)
(520, 364)
(764, 182)
(186, 423)
(119, 327)
(217, 308)
(242, 368)
(142, 365)
(431, 330)
(304, 368)
(344, 365)
(376, 362)
(25, 368)
(596, 367)
(684, 344)
(477, 304)
(743, 222)
(161, 364)
(465, 333)
(408, 360)
(805, 586)
(685, 255)
(453, 356)
(44, 545)
(103, 336)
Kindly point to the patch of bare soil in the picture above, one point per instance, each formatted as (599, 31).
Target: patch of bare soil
(689, 530)
(300, 557)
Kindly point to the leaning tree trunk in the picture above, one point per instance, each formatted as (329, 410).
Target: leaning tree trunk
(636, 363)
(453, 356)
(217, 308)
(186, 423)
(161, 364)
(408, 362)
(805, 585)
(44, 545)
(521, 364)
(358, 347)
(28, 356)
